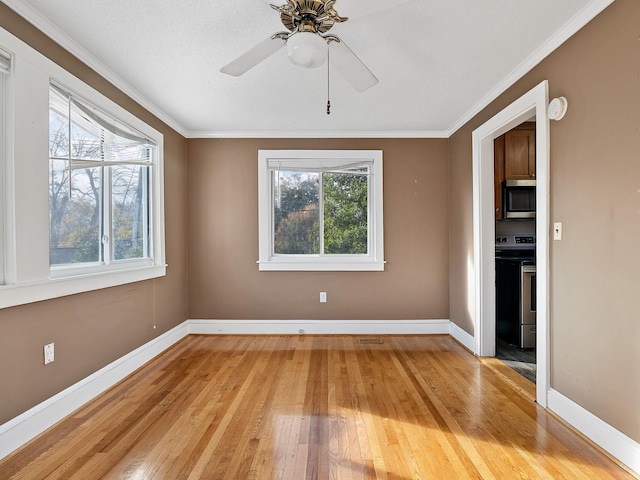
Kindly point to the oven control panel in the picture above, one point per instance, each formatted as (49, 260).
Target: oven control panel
(525, 240)
(512, 241)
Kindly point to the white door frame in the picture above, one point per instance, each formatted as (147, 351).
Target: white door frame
(533, 103)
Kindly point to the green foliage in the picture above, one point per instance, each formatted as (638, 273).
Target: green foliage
(86, 245)
(297, 233)
(345, 213)
(126, 243)
(128, 217)
(296, 191)
(296, 213)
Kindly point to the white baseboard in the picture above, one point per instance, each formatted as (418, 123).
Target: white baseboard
(616, 443)
(318, 327)
(463, 337)
(21, 429)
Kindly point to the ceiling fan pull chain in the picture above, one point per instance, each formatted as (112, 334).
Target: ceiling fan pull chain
(328, 82)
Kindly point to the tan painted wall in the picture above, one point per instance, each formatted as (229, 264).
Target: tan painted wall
(223, 238)
(595, 192)
(93, 329)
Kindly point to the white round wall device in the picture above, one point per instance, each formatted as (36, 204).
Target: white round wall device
(557, 108)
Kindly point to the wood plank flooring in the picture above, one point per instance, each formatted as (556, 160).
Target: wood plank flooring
(312, 407)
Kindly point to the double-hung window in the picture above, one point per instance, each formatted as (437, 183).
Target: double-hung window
(99, 188)
(320, 210)
(81, 184)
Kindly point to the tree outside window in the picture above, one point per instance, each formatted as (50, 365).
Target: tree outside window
(98, 185)
(320, 210)
(297, 213)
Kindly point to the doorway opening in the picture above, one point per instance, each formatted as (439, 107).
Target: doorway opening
(515, 226)
(532, 104)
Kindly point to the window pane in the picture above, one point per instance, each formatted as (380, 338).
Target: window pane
(130, 220)
(74, 204)
(296, 212)
(345, 213)
(85, 141)
(101, 214)
(58, 134)
(74, 220)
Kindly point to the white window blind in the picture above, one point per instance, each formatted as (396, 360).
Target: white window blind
(334, 165)
(105, 166)
(5, 62)
(96, 138)
(320, 210)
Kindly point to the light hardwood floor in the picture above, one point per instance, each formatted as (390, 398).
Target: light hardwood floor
(313, 407)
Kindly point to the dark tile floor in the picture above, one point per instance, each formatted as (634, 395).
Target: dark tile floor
(522, 361)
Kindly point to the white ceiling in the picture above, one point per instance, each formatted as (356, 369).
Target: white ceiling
(438, 61)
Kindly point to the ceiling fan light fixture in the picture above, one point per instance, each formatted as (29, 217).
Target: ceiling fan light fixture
(307, 49)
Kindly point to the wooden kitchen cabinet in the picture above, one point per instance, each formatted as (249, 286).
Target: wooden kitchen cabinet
(514, 159)
(520, 153)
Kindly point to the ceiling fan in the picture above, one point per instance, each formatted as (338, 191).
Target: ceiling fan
(308, 45)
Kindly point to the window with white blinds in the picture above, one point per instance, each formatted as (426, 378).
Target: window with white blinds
(81, 195)
(320, 210)
(99, 185)
(96, 138)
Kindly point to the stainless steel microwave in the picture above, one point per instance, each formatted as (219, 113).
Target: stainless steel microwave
(519, 198)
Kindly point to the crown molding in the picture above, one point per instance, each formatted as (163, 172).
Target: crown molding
(588, 13)
(54, 33)
(317, 134)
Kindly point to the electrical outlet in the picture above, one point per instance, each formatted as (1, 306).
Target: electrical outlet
(48, 353)
(323, 297)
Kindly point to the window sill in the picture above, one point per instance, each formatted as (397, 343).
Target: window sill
(301, 266)
(23, 293)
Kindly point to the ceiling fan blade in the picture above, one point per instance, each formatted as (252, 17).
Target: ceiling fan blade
(350, 66)
(256, 55)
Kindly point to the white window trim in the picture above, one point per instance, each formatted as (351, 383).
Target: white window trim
(28, 276)
(267, 261)
(4, 73)
(108, 263)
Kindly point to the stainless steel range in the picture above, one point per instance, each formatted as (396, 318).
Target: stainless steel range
(516, 289)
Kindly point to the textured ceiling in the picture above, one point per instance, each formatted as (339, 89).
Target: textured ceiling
(437, 61)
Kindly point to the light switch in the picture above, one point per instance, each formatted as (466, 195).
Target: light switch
(557, 231)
